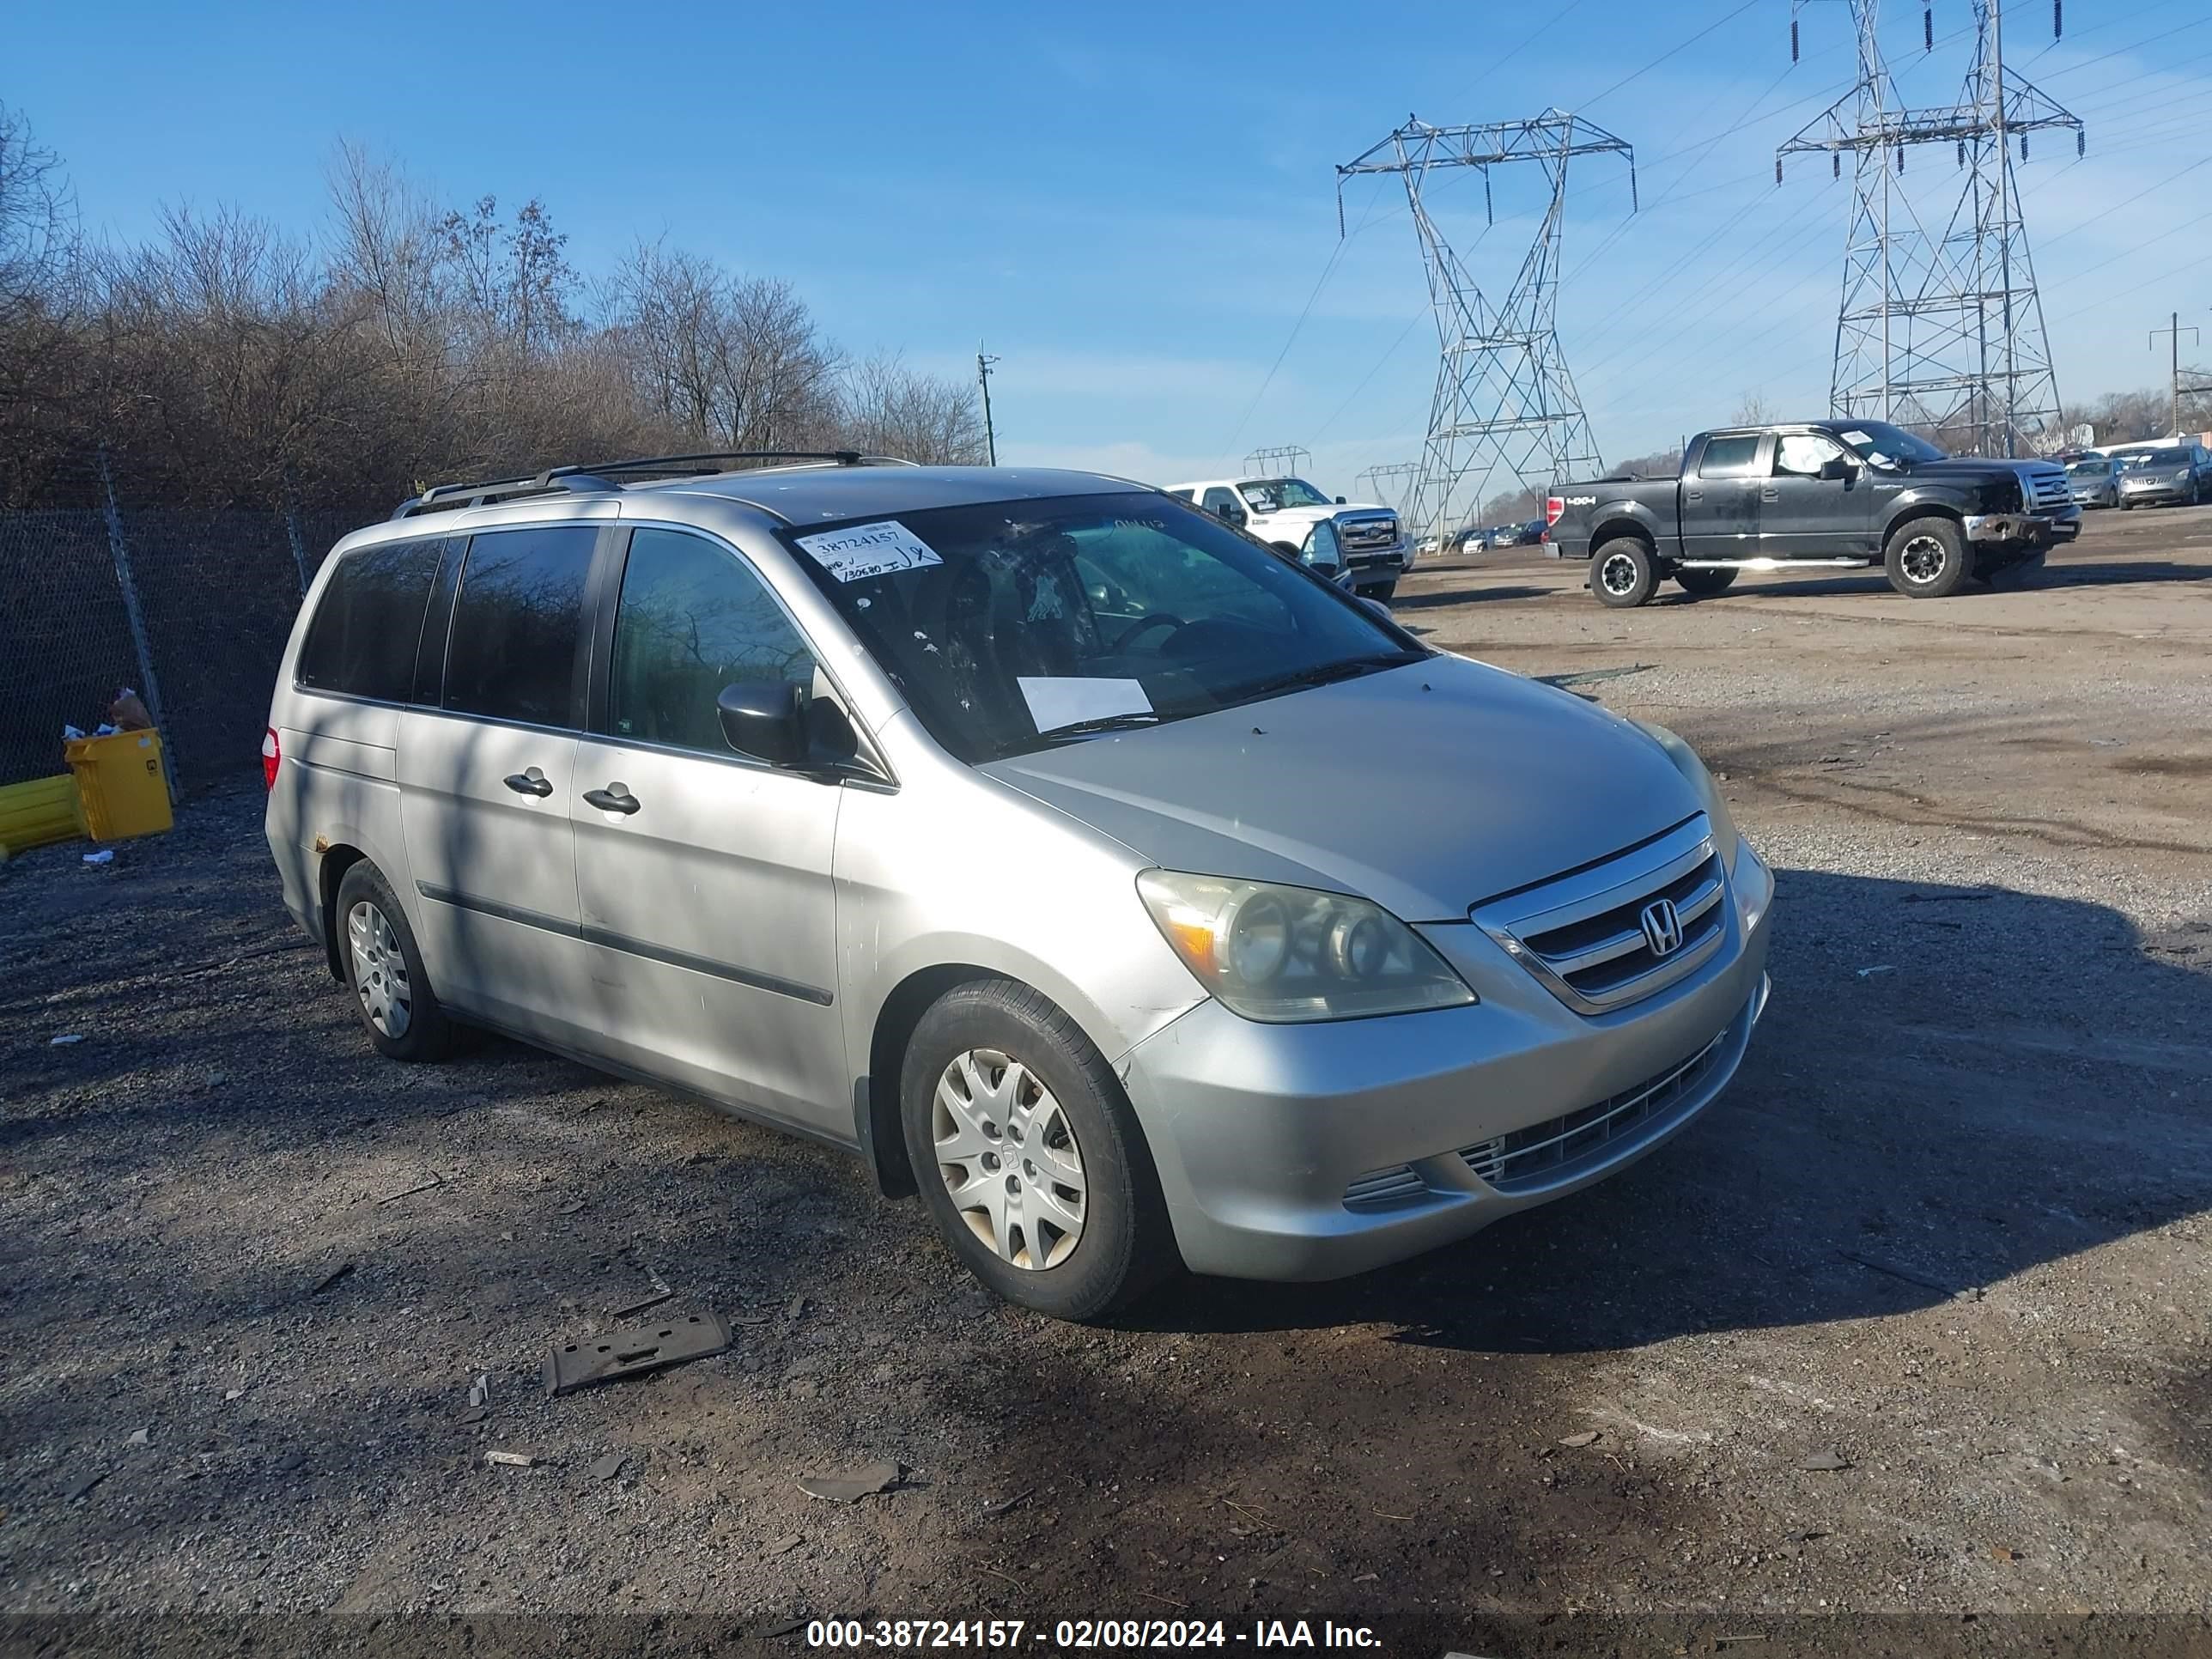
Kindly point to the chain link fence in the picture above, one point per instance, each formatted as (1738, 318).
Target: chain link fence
(188, 607)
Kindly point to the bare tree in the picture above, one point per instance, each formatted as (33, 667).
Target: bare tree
(891, 409)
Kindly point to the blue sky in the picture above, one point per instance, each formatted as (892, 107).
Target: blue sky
(1131, 206)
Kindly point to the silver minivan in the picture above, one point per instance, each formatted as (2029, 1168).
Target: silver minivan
(1135, 895)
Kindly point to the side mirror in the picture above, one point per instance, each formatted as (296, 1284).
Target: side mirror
(1340, 501)
(766, 722)
(1835, 470)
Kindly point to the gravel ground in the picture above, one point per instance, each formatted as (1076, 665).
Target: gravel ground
(1948, 1231)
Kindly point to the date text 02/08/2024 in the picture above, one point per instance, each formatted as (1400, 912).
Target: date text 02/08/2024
(1082, 1634)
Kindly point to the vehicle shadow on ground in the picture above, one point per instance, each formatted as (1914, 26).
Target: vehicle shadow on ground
(1436, 598)
(2112, 573)
(1915, 1120)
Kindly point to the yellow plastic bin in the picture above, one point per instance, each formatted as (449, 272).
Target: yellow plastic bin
(40, 810)
(121, 788)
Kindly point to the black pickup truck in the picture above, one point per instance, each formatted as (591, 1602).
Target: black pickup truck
(1814, 494)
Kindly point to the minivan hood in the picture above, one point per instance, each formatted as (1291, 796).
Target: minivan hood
(1425, 788)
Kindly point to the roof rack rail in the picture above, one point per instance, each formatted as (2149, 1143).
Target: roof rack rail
(595, 476)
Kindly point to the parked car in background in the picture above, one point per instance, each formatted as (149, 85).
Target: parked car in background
(1836, 493)
(1279, 511)
(2178, 476)
(1129, 935)
(1510, 535)
(2094, 481)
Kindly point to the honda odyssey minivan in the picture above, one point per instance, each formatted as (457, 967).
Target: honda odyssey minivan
(1139, 898)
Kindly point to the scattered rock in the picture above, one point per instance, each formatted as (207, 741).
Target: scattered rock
(343, 1271)
(512, 1460)
(1007, 1504)
(138, 1437)
(1826, 1462)
(784, 1545)
(1577, 1442)
(64, 1040)
(607, 1468)
(82, 1484)
(473, 1414)
(850, 1485)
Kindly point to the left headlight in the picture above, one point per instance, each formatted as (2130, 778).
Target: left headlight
(1289, 954)
(1687, 763)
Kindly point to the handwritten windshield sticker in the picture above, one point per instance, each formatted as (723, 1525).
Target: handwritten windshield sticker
(868, 549)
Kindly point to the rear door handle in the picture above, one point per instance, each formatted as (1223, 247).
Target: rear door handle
(1770, 494)
(612, 798)
(530, 783)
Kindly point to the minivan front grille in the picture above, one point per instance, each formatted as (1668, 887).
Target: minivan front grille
(1605, 937)
(1547, 1151)
(1381, 1188)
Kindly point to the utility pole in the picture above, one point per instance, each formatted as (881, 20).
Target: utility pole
(983, 379)
(2174, 331)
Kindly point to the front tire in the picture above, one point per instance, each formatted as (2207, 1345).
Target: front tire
(1384, 594)
(1624, 574)
(1928, 558)
(384, 971)
(1704, 583)
(1027, 1154)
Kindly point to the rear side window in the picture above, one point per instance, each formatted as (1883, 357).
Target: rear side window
(1727, 456)
(516, 624)
(361, 641)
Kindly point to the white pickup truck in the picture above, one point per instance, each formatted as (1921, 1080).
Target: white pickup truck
(1283, 511)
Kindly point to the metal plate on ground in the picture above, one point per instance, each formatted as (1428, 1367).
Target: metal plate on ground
(633, 1350)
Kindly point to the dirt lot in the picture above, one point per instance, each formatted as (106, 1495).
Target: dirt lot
(1948, 1229)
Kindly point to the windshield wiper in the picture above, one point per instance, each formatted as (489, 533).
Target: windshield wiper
(1095, 724)
(1328, 673)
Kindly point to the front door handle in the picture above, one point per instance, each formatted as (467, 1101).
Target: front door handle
(612, 798)
(1770, 494)
(530, 783)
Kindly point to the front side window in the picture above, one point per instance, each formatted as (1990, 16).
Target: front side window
(1273, 494)
(517, 624)
(1726, 458)
(1013, 625)
(692, 619)
(1222, 504)
(363, 639)
(1804, 454)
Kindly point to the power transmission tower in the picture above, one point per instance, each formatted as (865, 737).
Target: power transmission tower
(1504, 398)
(1940, 328)
(1393, 484)
(1285, 457)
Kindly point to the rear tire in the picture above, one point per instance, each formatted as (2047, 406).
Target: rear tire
(1027, 1154)
(390, 988)
(1704, 583)
(1624, 574)
(1928, 558)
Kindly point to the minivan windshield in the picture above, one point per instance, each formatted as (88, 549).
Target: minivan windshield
(1886, 445)
(1011, 626)
(1273, 494)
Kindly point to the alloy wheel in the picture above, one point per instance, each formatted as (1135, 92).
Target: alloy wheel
(380, 970)
(1009, 1159)
(1618, 574)
(1923, 559)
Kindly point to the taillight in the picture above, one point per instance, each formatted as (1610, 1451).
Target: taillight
(1553, 506)
(271, 754)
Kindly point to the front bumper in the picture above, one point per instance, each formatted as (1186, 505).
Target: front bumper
(1272, 1142)
(2157, 494)
(2036, 529)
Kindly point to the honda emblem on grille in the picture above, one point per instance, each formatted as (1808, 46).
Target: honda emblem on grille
(1662, 927)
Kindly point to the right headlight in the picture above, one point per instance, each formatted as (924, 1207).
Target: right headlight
(1289, 954)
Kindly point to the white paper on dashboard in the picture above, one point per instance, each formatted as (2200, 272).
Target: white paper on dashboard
(1055, 702)
(868, 549)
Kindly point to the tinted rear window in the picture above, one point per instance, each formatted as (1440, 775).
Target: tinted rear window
(363, 639)
(517, 623)
(1723, 456)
